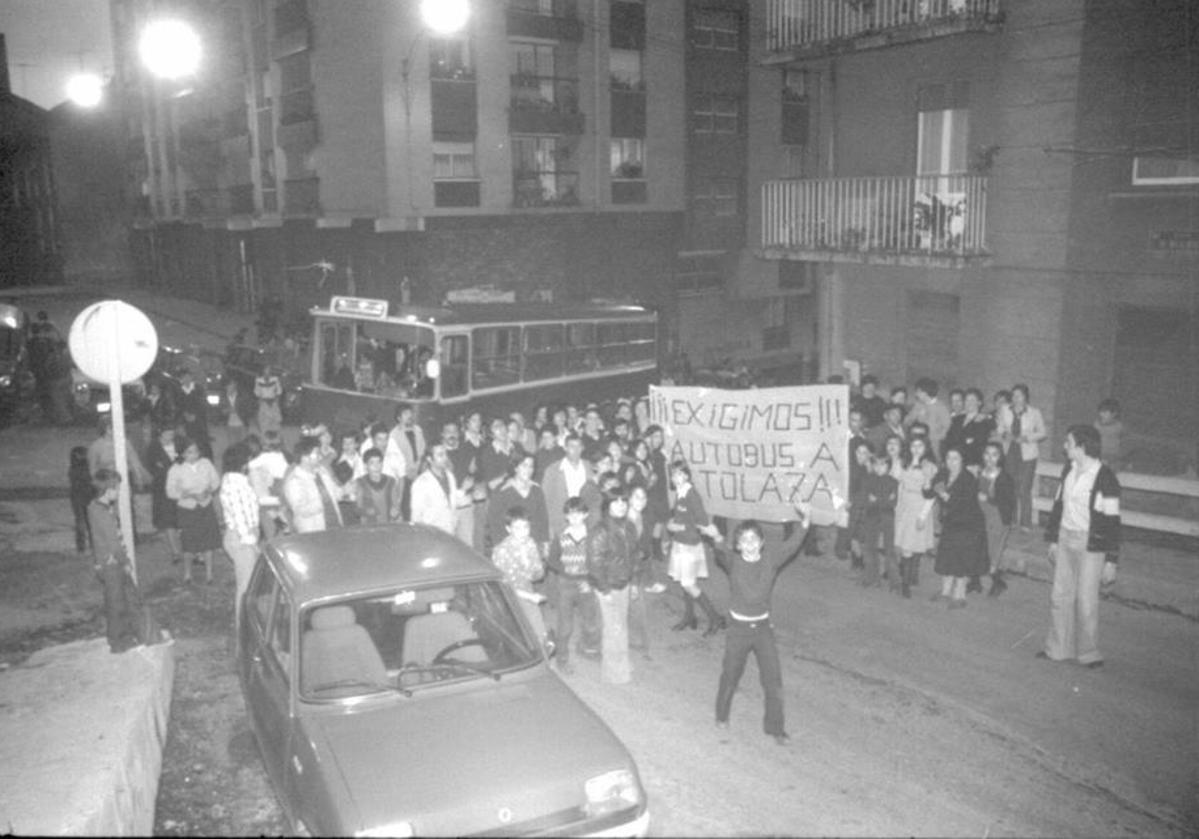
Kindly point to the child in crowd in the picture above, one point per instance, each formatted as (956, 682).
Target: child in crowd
(519, 559)
(568, 559)
(880, 492)
(82, 493)
(378, 495)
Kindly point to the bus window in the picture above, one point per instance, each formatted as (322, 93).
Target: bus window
(641, 343)
(611, 340)
(543, 351)
(336, 352)
(496, 358)
(453, 366)
(391, 360)
(580, 353)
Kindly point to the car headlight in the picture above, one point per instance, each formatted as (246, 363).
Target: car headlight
(399, 829)
(214, 399)
(5, 381)
(612, 792)
(82, 387)
(103, 407)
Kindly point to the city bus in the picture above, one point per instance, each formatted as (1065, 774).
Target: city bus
(370, 357)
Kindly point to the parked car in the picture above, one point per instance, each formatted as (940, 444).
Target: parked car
(16, 378)
(92, 399)
(395, 688)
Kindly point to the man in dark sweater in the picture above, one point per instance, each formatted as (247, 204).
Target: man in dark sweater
(752, 572)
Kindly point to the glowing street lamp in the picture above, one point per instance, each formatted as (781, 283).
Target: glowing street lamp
(444, 17)
(85, 89)
(170, 49)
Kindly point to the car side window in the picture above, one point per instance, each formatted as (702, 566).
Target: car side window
(262, 595)
(280, 635)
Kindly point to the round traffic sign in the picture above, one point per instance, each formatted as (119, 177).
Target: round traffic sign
(113, 342)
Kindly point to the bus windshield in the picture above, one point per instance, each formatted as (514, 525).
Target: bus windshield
(386, 359)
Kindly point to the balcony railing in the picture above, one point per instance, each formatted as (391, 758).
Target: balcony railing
(545, 93)
(545, 189)
(857, 218)
(795, 24)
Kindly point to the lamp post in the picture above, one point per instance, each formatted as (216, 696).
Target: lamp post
(439, 18)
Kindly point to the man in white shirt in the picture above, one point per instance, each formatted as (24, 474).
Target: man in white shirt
(569, 477)
(436, 498)
(310, 491)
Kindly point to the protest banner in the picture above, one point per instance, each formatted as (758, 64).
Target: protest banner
(757, 453)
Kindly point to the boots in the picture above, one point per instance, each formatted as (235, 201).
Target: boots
(716, 621)
(998, 586)
(907, 574)
(688, 621)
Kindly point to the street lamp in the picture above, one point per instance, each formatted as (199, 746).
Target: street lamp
(444, 17)
(85, 89)
(170, 49)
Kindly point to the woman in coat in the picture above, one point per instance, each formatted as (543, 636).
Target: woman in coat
(963, 550)
(913, 527)
(997, 495)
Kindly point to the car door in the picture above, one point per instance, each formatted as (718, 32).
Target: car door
(267, 679)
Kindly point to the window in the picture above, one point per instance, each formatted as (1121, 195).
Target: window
(532, 59)
(496, 356)
(628, 158)
(795, 105)
(715, 29)
(454, 361)
(534, 154)
(715, 114)
(625, 70)
(698, 272)
(533, 7)
(1162, 170)
(455, 178)
(581, 352)
(942, 129)
(776, 335)
(449, 58)
(543, 351)
(454, 161)
(716, 197)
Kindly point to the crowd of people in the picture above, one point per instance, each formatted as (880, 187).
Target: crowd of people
(580, 507)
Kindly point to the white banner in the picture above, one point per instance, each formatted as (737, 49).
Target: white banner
(757, 453)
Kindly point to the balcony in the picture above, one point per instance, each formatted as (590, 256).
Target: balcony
(544, 105)
(545, 189)
(556, 20)
(915, 220)
(801, 28)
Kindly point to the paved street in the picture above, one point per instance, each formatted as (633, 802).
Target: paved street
(905, 718)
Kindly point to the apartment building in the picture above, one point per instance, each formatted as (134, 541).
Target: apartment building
(331, 147)
(985, 192)
(29, 243)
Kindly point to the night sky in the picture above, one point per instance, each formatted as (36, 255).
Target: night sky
(49, 40)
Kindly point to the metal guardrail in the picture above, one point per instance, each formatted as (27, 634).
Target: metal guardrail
(1151, 484)
(801, 23)
(915, 214)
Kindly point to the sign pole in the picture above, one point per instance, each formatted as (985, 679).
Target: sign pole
(116, 399)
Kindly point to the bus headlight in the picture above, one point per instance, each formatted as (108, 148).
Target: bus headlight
(612, 792)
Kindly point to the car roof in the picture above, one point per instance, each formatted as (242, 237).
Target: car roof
(344, 561)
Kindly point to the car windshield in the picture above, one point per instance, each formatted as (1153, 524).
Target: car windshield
(410, 639)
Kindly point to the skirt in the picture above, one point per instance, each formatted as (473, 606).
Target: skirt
(688, 563)
(199, 529)
(962, 553)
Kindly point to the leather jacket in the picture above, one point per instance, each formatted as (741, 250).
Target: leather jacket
(611, 548)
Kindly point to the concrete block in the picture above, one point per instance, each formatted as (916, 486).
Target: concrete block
(81, 739)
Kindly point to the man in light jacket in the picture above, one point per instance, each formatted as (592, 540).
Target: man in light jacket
(310, 491)
(436, 498)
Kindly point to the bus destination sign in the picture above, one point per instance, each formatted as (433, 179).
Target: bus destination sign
(363, 307)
